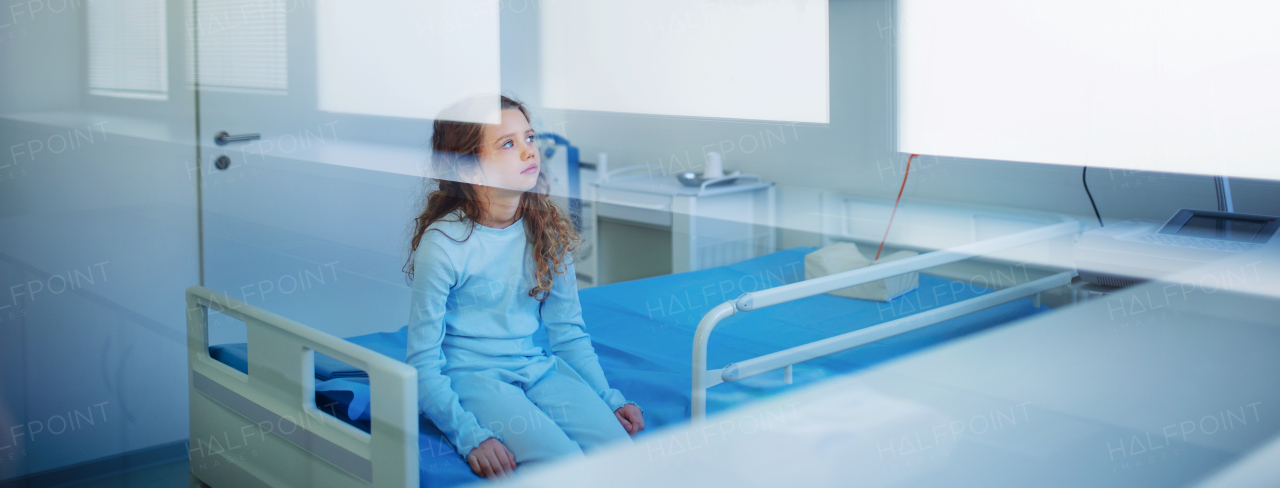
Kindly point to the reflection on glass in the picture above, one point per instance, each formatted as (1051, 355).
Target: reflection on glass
(405, 58)
(127, 52)
(752, 59)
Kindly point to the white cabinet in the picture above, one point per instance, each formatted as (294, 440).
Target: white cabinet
(587, 258)
(708, 226)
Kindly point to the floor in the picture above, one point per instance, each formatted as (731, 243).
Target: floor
(170, 475)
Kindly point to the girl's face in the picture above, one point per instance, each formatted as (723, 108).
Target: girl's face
(509, 159)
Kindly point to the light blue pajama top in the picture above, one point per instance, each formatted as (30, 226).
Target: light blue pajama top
(471, 311)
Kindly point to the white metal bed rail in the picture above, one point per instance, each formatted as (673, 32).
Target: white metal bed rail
(281, 380)
(832, 345)
(704, 378)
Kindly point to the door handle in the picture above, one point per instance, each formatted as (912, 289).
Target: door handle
(222, 138)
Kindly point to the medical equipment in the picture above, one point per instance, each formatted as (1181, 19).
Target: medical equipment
(561, 159)
(1138, 250)
(570, 189)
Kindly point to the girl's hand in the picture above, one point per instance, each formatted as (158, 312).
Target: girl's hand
(491, 459)
(630, 418)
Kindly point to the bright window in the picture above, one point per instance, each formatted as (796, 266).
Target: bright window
(1176, 86)
(741, 59)
(243, 46)
(406, 58)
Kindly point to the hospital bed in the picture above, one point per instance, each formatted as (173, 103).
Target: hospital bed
(266, 413)
(1178, 391)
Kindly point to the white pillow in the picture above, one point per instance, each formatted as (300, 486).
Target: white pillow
(845, 256)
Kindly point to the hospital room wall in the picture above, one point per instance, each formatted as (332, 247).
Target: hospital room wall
(856, 152)
(92, 365)
(25, 49)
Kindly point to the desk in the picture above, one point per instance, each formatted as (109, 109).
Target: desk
(710, 226)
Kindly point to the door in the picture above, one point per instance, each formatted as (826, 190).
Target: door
(314, 122)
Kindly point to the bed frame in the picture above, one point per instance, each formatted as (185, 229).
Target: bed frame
(264, 428)
(704, 378)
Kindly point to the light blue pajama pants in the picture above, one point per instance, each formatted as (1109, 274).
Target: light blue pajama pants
(553, 416)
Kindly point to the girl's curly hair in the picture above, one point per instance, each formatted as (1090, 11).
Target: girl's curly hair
(455, 148)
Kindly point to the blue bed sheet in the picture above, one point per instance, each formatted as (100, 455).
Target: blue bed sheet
(391, 344)
(643, 332)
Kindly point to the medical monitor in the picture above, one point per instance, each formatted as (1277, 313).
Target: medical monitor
(1221, 225)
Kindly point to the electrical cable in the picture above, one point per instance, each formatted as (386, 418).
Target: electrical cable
(895, 205)
(1084, 179)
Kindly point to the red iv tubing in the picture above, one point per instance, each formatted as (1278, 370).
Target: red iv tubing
(895, 204)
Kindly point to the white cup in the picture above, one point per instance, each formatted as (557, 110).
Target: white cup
(715, 166)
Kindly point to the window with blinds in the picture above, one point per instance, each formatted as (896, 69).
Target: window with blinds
(242, 46)
(127, 53)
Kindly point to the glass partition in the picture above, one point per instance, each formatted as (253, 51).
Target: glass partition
(208, 210)
(98, 206)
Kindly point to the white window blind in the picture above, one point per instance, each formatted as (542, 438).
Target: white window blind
(744, 59)
(407, 58)
(242, 46)
(1152, 85)
(127, 52)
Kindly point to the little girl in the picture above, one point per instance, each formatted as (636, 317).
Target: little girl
(490, 261)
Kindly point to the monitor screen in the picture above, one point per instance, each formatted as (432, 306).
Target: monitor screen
(1222, 228)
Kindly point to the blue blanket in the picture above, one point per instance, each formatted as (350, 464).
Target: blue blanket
(643, 332)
